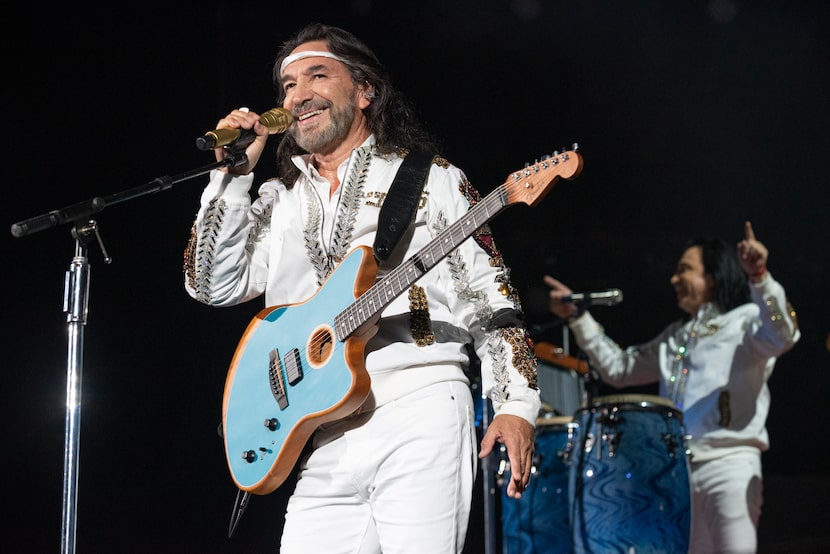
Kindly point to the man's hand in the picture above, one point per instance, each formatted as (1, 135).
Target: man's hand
(558, 291)
(752, 254)
(518, 436)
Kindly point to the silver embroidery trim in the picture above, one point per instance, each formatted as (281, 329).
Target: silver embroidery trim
(261, 226)
(350, 203)
(206, 249)
(311, 237)
(686, 338)
(322, 262)
(484, 312)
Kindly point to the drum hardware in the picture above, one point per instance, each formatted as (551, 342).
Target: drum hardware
(671, 444)
(610, 420)
(588, 442)
(613, 442)
(566, 451)
(503, 467)
(689, 455)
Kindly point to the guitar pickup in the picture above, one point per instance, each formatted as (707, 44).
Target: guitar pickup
(276, 380)
(293, 367)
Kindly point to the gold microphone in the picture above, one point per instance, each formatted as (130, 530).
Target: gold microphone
(278, 120)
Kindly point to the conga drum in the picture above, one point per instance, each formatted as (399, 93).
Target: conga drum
(629, 478)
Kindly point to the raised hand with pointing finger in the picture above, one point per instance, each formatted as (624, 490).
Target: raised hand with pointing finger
(752, 254)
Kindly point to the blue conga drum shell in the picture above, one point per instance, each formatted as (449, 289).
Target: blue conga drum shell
(629, 485)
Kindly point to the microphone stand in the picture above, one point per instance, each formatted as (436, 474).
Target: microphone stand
(76, 289)
(75, 305)
(491, 519)
(589, 379)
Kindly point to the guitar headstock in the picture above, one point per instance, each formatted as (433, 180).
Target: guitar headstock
(531, 183)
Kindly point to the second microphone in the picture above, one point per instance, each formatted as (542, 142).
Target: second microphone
(608, 297)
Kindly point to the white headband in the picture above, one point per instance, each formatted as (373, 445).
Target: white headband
(308, 54)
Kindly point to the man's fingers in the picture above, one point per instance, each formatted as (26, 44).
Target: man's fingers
(748, 233)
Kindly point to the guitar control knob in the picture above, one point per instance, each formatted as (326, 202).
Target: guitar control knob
(249, 456)
(272, 424)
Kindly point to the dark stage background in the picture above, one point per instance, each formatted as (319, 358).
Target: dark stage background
(691, 116)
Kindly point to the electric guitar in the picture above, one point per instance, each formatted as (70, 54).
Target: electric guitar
(298, 366)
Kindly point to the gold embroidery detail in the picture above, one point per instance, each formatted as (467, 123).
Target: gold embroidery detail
(190, 257)
(793, 316)
(441, 161)
(380, 196)
(524, 357)
(419, 320)
(711, 329)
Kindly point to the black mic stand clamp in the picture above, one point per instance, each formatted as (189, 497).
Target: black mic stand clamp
(84, 234)
(235, 155)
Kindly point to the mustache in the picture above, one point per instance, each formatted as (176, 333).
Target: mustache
(310, 106)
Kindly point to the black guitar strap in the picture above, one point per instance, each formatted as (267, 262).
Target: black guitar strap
(401, 202)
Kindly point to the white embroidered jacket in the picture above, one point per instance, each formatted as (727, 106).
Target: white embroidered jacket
(286, 243)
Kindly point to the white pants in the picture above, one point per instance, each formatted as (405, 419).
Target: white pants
(726, 504)
(398, 479)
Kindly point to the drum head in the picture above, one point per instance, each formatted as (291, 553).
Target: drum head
(641, 400)
(552, 420)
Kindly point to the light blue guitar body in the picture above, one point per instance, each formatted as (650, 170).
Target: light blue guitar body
(266, 426)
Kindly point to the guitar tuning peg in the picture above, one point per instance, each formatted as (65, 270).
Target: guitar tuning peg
(546, 157)
(555, 153)
(575, 147)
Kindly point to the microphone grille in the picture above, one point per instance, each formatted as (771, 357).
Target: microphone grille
(611, 297)
(277, 120)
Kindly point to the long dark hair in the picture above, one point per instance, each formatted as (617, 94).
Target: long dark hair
(721, 262)
(390, 116)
